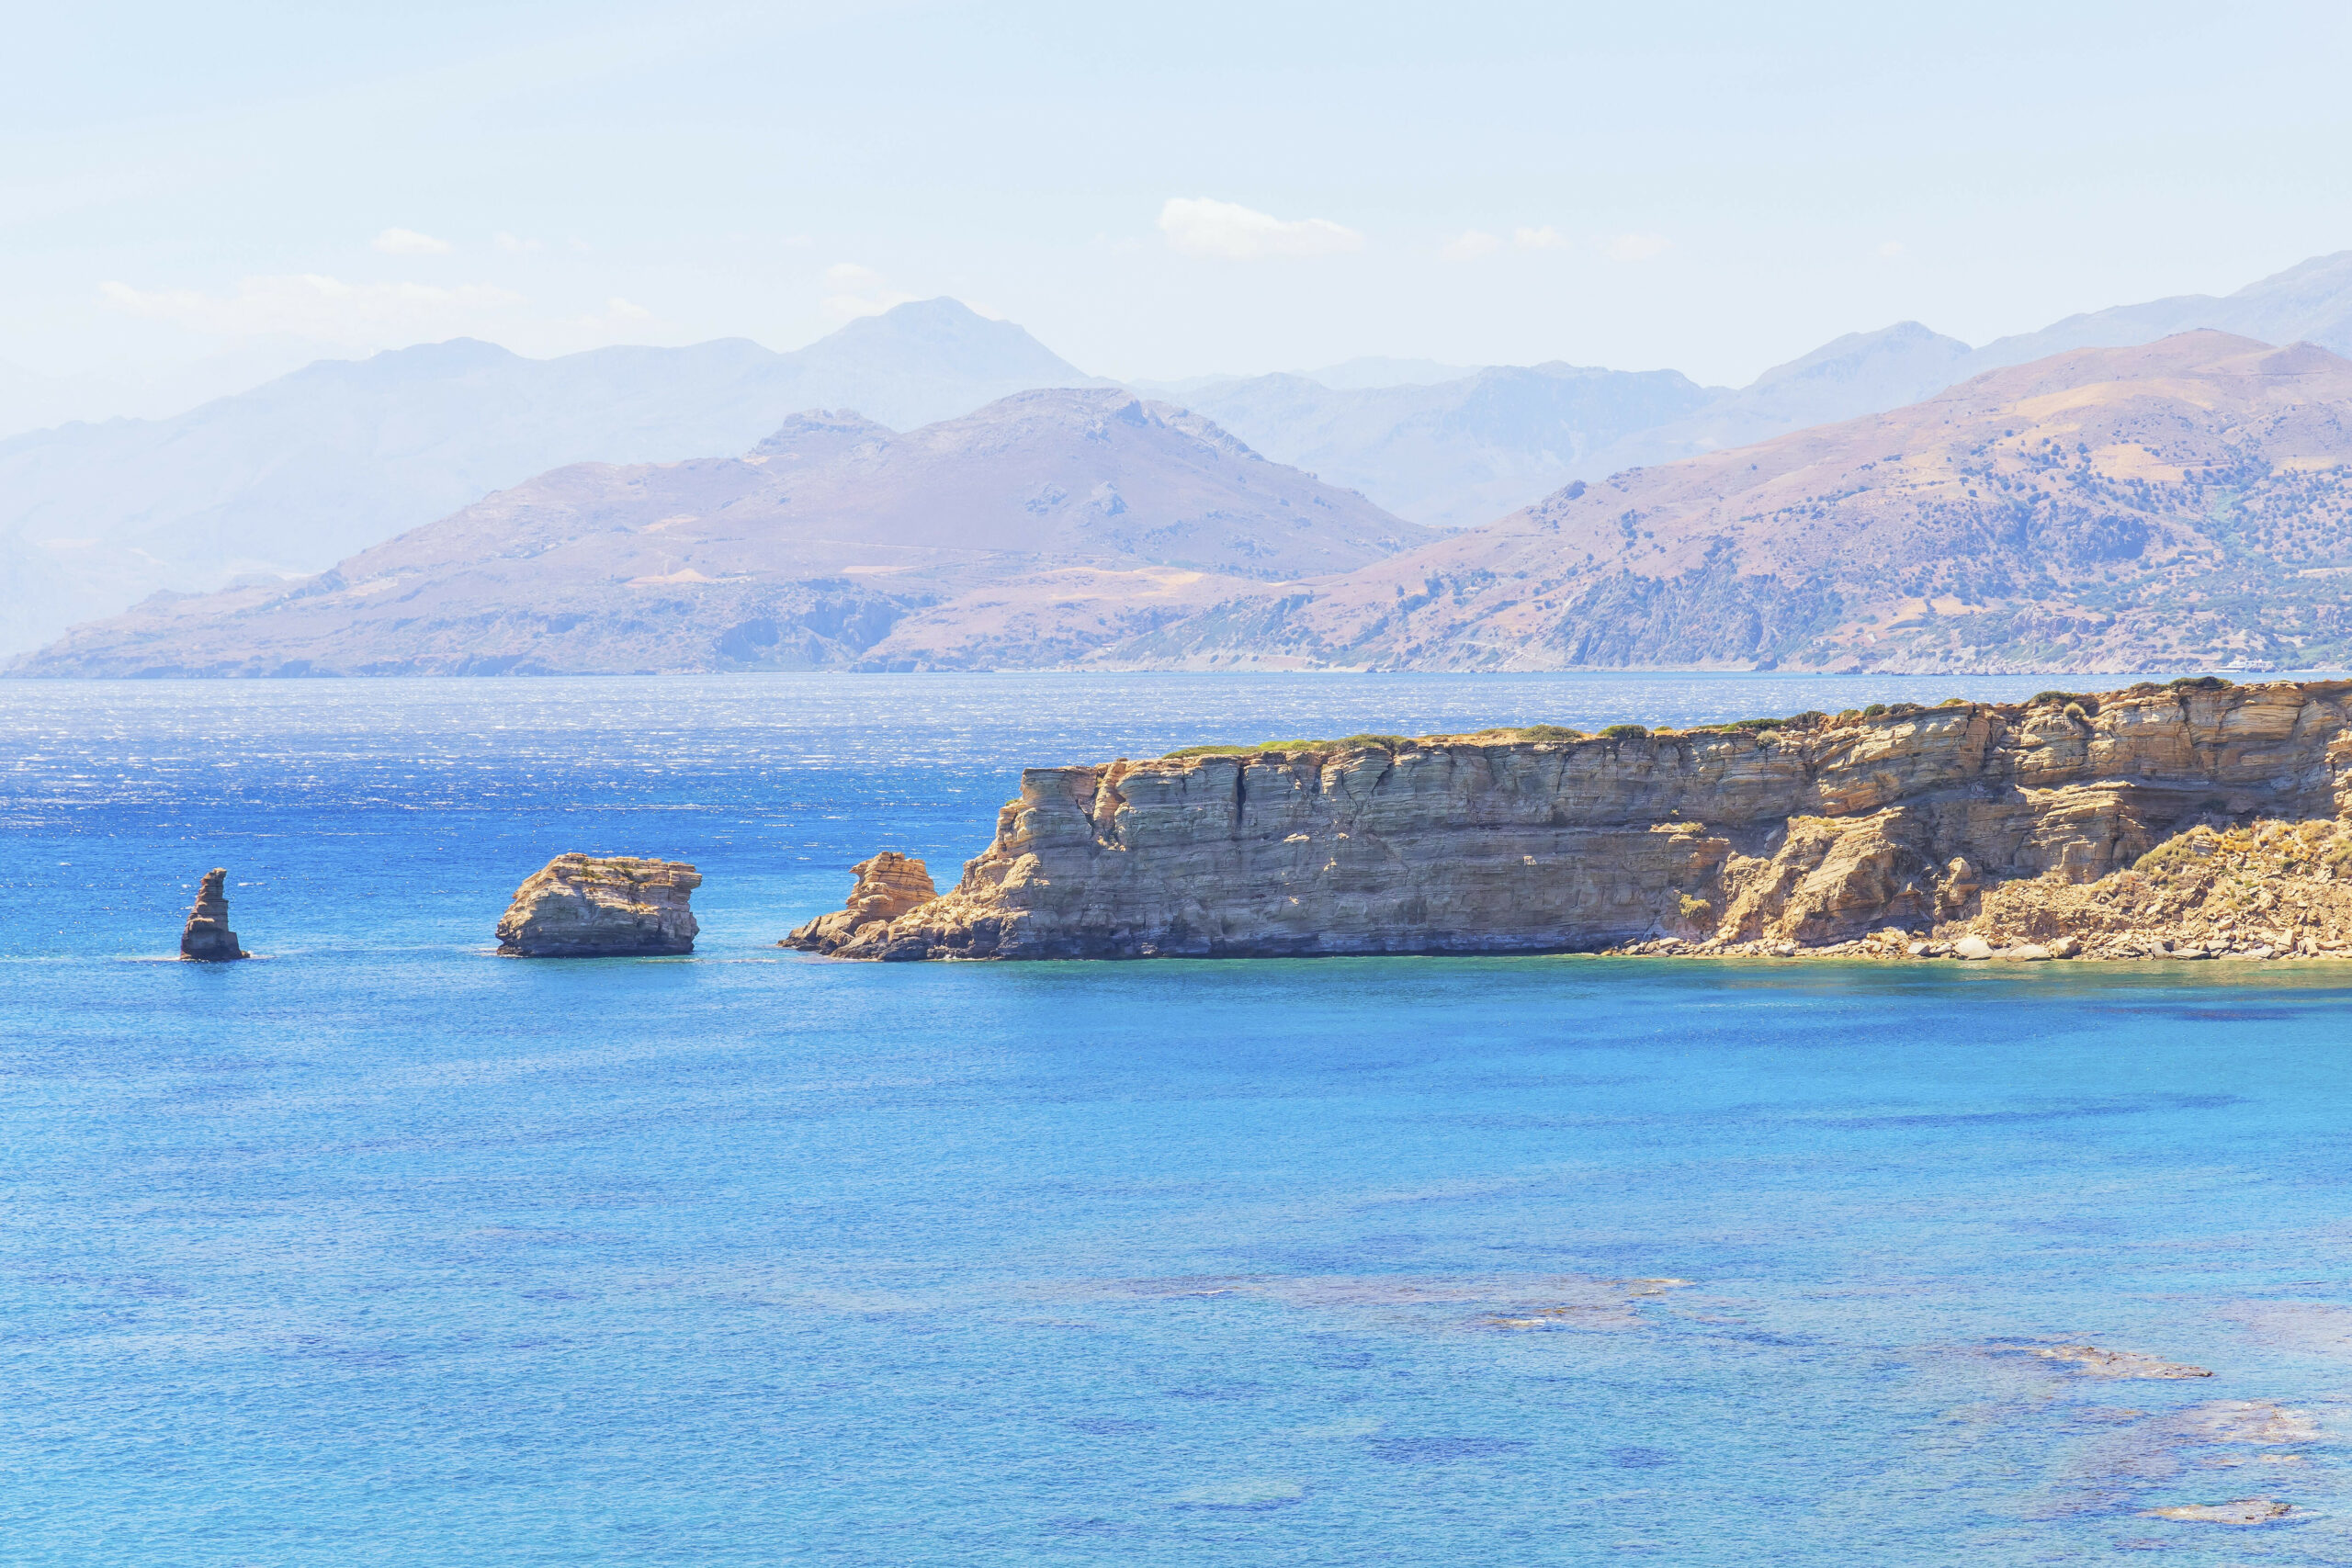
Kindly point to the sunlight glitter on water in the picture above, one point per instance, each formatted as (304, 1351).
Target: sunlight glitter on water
(386, 1250)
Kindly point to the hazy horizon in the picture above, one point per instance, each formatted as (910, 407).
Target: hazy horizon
(198, 203)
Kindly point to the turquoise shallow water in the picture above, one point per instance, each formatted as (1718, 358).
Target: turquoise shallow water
(385, 1251)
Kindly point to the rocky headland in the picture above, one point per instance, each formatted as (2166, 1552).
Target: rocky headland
(206, 937)
(2195, 819)
(591, 906)
(888, 886)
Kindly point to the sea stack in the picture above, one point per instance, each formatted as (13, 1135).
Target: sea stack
(601, 907)
(888, 886)
(207, 938)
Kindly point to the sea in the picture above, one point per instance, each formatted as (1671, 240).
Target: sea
(383, 1250)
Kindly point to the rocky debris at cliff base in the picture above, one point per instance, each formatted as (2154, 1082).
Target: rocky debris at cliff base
(888, 886)
(206, 937)
(2093, 1362)
(2261, 891)
(2240, 1511)
(601, 907)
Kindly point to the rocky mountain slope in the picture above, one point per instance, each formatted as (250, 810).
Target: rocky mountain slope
(2185, 503)
(1451, 453)
(2308, 302)
(338, 457)
(1946, 822)
(1031, 532)
(1858, 374)
(1463, 450)
(294, 474)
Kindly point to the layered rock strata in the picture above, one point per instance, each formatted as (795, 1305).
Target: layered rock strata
(2060, 821)
(206, 937)
(591, 906)
(888, 886)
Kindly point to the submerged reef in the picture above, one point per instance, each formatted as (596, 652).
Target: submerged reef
(2193, 820)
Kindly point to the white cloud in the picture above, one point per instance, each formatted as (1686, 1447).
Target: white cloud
(409, 243)
(1470, 244)
(326, 309)
(1637, 247)
(1544, 239)
(1891, 250)
(859, 291)
(1199, 226)
(513, 244)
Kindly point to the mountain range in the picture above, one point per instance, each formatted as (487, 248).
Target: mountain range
(1036, 530)
(2187, 503)
(1451, 453)
(306, 471)
(1464, 449)
(296, 474)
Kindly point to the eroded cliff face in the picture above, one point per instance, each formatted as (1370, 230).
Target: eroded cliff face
(888, 885)
(206, 937)
(589, 907)
(1811, 834)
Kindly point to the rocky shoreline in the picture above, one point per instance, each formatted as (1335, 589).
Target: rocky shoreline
(2266, 891)
(2197, 819)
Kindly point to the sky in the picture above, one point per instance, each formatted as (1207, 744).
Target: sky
(193, 198)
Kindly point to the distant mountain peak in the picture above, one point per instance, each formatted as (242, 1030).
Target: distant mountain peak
(2330, 274)
(2308, 302)
(300, 471)
(946, 332)
(1909, 341)
(1034, 530)
(2166, 504)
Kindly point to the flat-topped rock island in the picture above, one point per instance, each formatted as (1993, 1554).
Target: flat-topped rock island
(582, 906)
(2192, 820)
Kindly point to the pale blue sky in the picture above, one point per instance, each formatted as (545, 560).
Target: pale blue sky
(1711, 187)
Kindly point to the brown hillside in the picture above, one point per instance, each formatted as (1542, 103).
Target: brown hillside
(2107, 509)
(1032, 531)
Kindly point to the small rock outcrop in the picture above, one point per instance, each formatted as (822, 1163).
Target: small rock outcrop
(601, 907)
(888, 886)
(206, 937)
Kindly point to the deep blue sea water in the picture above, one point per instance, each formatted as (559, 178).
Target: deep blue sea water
(383, 1250)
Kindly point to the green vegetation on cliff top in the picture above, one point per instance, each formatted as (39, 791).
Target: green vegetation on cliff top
(2085, 703)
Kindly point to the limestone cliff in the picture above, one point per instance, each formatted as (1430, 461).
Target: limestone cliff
(587, 906)
(1801, 833)
(888, 886)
